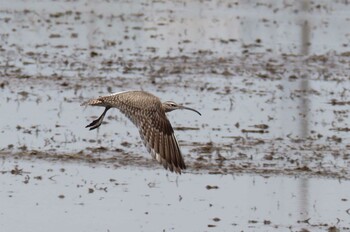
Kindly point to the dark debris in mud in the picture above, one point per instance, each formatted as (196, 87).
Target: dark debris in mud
(281, 157)
(250, 74)
(340, 103)
(57, 69)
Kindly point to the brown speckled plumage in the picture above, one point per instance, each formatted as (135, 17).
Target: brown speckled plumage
(147, 112)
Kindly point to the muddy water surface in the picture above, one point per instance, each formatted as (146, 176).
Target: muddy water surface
(270, 151)
(45, 196)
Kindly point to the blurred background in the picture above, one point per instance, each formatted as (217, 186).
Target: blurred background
(271, 79)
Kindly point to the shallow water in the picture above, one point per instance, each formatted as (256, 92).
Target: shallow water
(273, 135)
(54, 196)
(243, 127)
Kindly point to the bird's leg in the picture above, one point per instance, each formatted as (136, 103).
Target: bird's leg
(96, 123)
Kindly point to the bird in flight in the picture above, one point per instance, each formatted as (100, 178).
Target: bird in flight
(147, 113)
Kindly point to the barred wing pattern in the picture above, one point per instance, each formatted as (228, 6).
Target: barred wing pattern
(156, 132)
(146, 112)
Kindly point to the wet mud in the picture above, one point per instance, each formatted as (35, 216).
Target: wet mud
(273, 107)
(220, 142)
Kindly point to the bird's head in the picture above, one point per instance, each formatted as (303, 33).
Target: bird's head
(170, 106)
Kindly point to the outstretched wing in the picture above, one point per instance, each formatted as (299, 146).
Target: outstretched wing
(146, 112)
(158, 136)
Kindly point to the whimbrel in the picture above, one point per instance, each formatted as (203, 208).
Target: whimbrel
(147, 112)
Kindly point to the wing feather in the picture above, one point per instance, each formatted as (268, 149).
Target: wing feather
(160, 140)
(146, 112)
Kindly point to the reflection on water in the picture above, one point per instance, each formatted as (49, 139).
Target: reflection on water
(304, 203)
(270, 107)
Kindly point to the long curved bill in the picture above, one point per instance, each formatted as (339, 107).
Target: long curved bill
(188, 108)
